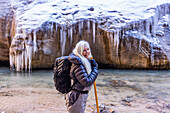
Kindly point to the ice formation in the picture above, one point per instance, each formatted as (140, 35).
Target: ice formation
(113, 16)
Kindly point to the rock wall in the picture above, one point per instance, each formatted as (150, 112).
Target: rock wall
(5, 32)
(114, 42)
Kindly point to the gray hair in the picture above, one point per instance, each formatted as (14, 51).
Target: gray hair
(78, 50)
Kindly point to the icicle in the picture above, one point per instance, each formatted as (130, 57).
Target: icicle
(19, 62)
(12, 59)
(82, 24)
(108, 35)
(51, 29)
(88, 25)
(26, 58)
(28, 53)
(155, 22)
(167, 9)
(159, 12)
(22, 60)
(61, 39)
(64, 42)
(35, 41)
(25, 51)
(29, 56)
(80, 28)
(116, 40)
(111, 38)
(71, 34)
(141, 27)
(94, 32)
(152, 54)
(147, 32)
(15, 59)
(56, 27)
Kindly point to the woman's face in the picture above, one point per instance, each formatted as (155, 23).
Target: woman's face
(86, 51)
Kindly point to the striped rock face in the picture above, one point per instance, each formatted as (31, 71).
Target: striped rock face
(136, 38)
(5, 28)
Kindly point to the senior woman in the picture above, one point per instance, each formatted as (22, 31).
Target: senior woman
(83, 73)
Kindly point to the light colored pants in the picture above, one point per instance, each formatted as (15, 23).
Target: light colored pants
(79, 106)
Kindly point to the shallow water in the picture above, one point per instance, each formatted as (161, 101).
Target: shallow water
(148, 84)
(114, 85)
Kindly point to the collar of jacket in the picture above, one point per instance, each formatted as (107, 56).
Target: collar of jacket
(74, 59)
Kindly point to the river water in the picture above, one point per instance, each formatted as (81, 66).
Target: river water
(154, 83)
(112, 85)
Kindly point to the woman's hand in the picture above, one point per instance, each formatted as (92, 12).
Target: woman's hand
(93, 63)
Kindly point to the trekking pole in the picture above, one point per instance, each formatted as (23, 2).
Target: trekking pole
(95, 90)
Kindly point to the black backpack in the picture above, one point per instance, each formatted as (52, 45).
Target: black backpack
(62, 79)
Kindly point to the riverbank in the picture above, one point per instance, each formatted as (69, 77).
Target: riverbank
(46, 100)
(27, 100)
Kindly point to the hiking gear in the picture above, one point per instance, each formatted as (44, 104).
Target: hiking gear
(95, 90)
(94, 64)
(79, 74)
(62, 79)
(82, 83)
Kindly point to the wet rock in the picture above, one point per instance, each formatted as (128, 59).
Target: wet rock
(122, 83)
(127, 100)
(5, 94)
(6, 86)
(105, 109)
(126, 104)
(160, 106)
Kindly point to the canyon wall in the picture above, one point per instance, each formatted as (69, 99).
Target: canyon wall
(5, 29)
(116, 41)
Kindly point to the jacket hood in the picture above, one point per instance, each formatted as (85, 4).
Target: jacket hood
(74, 59)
